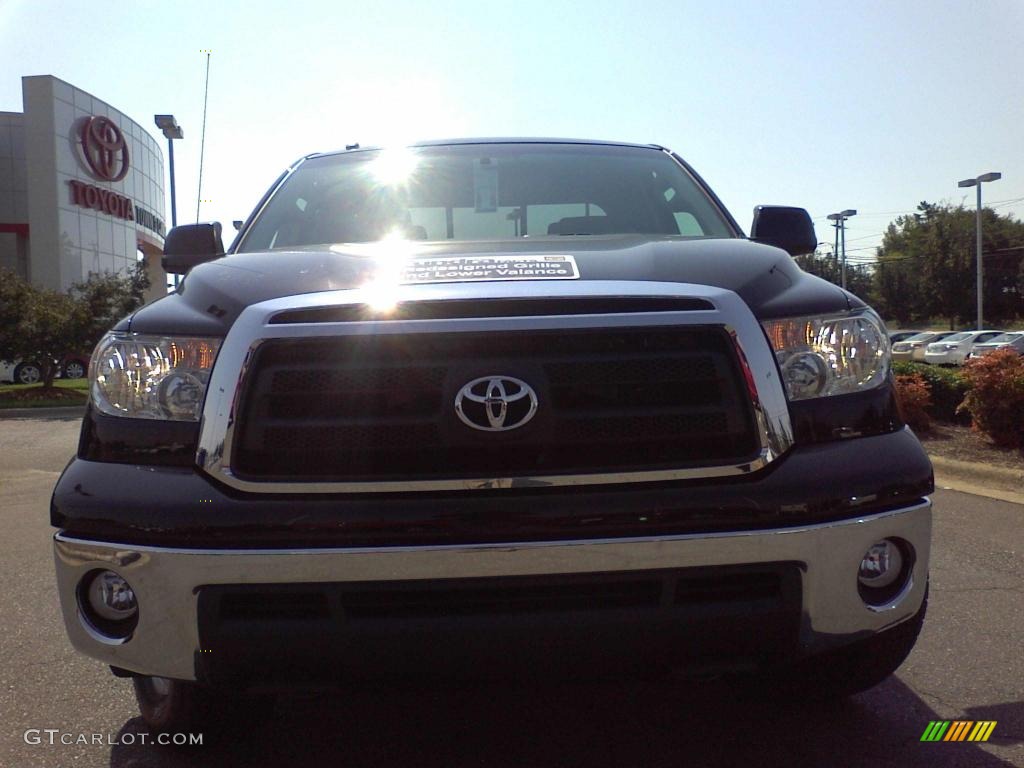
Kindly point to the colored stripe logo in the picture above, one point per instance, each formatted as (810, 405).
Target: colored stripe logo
(958, 730)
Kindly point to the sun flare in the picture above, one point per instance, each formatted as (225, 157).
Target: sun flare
(391, 256)
(394, 167)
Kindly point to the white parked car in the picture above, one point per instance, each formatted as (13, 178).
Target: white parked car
(18, 372)
(70, 366)
(953, 350)
(1014, 341)
(913, 348)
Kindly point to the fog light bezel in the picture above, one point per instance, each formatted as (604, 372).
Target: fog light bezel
(880, 598)
(100, 627)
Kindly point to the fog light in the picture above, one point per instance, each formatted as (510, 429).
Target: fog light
(882, 565)
(111, 597)
(805, 375)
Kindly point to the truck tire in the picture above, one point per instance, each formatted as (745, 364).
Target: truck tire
(171, 706)
(857, 667)
(182, 706)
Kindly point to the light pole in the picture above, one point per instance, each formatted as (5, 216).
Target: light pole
(976, 182)
(835, 248)
(169, 125)
(839, 220)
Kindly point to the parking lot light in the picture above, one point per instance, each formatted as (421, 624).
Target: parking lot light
(839, 221)
(976, 182)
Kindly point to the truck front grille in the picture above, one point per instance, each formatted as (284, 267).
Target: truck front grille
(543, 627)
(372, 407)
(775, 584)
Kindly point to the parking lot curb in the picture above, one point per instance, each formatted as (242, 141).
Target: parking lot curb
(63, 411)
(980, 479)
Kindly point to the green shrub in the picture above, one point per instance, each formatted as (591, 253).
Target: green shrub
(947, 387)
(995, 398)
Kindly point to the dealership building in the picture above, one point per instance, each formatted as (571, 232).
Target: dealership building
(81, 189)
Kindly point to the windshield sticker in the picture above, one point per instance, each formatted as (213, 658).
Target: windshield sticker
(458, 269)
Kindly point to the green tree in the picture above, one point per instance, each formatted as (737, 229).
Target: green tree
(825, 266)
(104, 299)
(896, 291)
(927, 265)
(41, 324)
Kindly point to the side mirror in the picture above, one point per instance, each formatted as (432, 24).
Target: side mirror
(191, 244)
(790, 229)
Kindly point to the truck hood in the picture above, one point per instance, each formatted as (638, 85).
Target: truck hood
(212, 295)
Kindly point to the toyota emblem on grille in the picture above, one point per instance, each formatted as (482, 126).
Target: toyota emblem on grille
(496, 403)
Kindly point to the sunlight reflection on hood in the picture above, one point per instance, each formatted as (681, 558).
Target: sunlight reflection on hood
(391, 256)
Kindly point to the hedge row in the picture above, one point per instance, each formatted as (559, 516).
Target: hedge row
(987, 392)
(946, 387)
(995, 397)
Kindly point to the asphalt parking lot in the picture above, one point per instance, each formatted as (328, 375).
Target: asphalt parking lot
(968, 665)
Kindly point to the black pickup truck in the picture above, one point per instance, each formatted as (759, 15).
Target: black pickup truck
(477, 405)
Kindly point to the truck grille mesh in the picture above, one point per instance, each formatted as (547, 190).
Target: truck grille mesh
(381, 407)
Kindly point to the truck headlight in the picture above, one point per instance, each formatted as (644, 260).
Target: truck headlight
(151, 377)
(834, 355)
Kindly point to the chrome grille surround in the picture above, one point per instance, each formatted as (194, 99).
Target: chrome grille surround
(255, 325)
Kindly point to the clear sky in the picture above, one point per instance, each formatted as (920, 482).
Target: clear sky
(872, 105)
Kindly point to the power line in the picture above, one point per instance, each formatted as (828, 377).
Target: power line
(991, 204)
(1005, 203)
(865, 237)
(882, 234)
(1004, 251)
(877, 213)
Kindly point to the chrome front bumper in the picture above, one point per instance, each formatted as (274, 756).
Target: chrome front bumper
(166, 581)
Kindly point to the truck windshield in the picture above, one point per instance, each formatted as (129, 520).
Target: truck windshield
(485, 192)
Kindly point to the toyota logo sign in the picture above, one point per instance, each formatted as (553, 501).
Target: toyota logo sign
(496, 403)
(104, 148)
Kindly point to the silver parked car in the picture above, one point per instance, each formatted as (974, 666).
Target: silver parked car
(913, 348)
(953, 350)
(897, 336)
(1014, 341)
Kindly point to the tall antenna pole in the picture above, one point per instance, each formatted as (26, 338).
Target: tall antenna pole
(202, 141)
